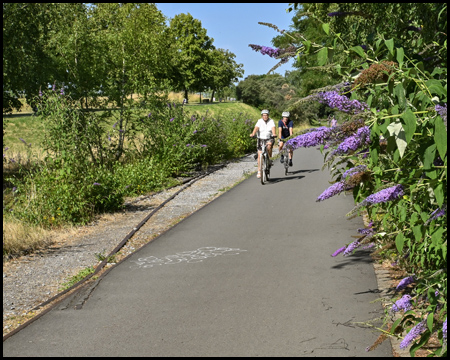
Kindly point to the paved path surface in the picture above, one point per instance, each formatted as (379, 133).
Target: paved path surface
(249, 274)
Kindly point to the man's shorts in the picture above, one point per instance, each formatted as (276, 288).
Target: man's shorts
(260, 142)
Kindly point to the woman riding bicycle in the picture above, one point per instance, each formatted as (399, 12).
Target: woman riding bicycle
(265, 127)
(285, 128)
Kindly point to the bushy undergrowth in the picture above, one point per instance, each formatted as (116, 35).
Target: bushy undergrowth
(94, 159)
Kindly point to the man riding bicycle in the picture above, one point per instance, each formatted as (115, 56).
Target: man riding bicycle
(285, 128)
(265, 127)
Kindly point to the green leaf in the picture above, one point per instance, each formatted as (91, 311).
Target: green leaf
(400, 56)
(439, 194)
(322, 56)
(430, 321)
(437, 238)
(390, 45)
(399, 242)
(428, 156)
(359, 50)
(395, 324)
(374, 155)
(417, 231)
(440, 136)
(410, 124)
(396, 130)
(326, 28)
(307, 44)
(435, 87)
(399, 92)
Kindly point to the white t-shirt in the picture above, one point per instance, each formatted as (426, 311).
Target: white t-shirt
(265, 128)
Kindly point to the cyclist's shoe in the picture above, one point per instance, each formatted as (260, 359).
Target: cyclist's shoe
(258, 175)
(290, 162)
(282, 159)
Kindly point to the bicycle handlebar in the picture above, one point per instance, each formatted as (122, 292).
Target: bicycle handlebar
(255, 137)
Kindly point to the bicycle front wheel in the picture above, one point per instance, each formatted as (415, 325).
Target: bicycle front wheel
(263, 169)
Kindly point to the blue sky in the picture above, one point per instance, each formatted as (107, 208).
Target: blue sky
(234, 26)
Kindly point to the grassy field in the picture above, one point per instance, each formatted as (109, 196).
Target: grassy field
(30, 128)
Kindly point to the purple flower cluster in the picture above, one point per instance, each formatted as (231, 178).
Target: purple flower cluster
(334, 189)
(354, 170)
(265, 50)
(413, 333)
(353, 142)
(350, 248)
(444, 330)
(405, 282)
(437, 213)
(369, 230)
(385, 195)
(341, 102)
(442, 111)
(402, 304)
(314, 137)
(338, 251)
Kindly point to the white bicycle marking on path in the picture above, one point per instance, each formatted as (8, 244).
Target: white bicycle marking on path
(185, 256)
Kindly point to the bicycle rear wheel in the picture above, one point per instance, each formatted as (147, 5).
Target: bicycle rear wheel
(286, 166)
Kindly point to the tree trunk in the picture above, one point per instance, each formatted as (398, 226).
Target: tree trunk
(212, 95)
(186, 95)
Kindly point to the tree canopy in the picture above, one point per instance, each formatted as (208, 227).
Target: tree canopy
(108, 50)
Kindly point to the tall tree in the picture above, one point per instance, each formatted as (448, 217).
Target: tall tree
(225, 71)
(192, 63)
(26, 65)
(135, 62)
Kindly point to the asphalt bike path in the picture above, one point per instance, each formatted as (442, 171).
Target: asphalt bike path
(249, 274)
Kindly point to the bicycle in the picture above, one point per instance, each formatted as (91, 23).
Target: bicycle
(264, 162)
(285, 152)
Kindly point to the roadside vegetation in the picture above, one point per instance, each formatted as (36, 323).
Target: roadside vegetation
(387, 143)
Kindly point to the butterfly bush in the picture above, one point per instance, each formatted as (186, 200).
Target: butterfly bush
(404, 303)
(315, 137)
(405, 282)
(389, 194)
(442, 111)
(334, 189)
(353, 142)
(273, 53)
(340, 102)
(437, 213)
(414, 332)
(353, 246)
(385, 195)
(444, 330)
(354, 170)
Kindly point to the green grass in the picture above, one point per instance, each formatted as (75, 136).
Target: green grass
(223, 109)
(29, 128)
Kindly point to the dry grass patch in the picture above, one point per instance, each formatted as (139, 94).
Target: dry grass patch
(20, 238)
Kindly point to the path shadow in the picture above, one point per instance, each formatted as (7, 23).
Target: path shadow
(360, 256)
(277, 180)
(302, 171)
